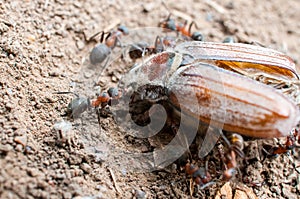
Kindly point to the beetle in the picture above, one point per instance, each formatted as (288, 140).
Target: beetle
(203, 80)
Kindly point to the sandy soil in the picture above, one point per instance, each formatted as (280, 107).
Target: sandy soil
(43, 51)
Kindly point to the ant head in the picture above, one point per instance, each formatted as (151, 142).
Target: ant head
(123, 29)
(197, 36)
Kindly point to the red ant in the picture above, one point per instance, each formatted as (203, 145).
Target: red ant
(100, 52)
(289, 144)
(236, 145)
(182, 28)
(106, 97)
(80, 104)
(200, 175)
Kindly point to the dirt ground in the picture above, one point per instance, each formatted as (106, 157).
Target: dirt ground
(43, 51)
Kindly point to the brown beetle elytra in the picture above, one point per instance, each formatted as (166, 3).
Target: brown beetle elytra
(242, 58)
(196, 84)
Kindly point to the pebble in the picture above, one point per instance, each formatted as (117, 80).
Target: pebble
(288, 194)
(60, 176)
(275, 189)
(102, 189)
(21, 139)
(147, 7)
(33, 172)
(86, 167)
(74, 159)
(114, 79)
(19, 148)
(5, 148)
(139, 194)
(87, 74)
(67, 195)
(80, 44)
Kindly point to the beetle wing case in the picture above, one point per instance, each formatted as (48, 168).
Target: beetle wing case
(231, 101)
(242, 58)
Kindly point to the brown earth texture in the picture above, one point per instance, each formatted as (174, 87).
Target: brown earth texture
(43, 50)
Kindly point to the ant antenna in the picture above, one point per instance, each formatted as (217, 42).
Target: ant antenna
(166, 7)
(66, 92)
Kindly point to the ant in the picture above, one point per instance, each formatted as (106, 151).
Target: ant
(141, 49)
(106, 98)
(235, 143)
(80, 104)
(77, 106)
(288, 146)
(200, 175)
(182, 28)
(101, 51)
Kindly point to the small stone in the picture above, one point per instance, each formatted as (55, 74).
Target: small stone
(54, 73)
(5, 148)
(101, 188)
(67, 195)
(9, 106)
(139, 194)
(86, 167)
(80, 44)
(275, 189)
(114, 79)
(75, 159)
(88, 73)
(33, 172)
(21, 139)
(288, 194)
(147, 7)
(60, 176)
(19, 148)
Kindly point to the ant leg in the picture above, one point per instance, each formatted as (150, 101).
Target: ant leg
(95, 35)
(159, 46)
(66, 92)
(224, 138)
